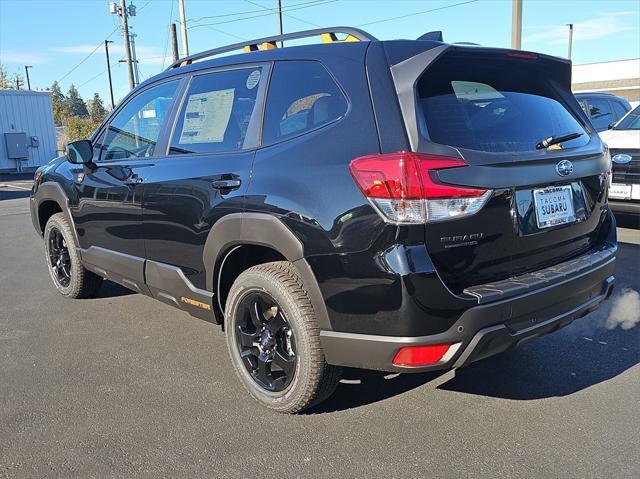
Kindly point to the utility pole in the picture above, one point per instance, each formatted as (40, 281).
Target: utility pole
(516, 24)
(106, 50)
(174, 42)
(134, 58)
(570, 25)
(183, 28)
(18, 82)
(26, 71)
(280, 20)
(124, 12)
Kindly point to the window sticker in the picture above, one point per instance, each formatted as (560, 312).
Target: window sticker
(253, 79)
(207, 116)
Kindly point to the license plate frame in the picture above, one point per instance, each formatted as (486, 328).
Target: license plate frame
(554, 206)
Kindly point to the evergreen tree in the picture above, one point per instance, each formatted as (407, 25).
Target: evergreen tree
(96, 108)
(58, 103)
(74, 105)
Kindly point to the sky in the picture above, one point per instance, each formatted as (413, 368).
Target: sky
(57, 37)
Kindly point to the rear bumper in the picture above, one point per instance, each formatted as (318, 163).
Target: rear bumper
(507, 315)
(627, 207)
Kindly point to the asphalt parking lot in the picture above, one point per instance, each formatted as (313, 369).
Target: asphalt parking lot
(123, 385)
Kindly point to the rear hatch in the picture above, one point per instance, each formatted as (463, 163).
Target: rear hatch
(494, 109)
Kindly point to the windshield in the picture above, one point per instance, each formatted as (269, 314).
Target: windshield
(631, 121)
(476, 105)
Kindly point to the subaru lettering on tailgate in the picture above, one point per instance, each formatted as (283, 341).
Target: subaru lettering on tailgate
(554, 206)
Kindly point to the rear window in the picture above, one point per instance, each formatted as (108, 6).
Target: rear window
(495, 106)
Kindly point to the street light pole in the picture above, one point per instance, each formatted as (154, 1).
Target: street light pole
(106, 50)
(570, 25)
(516, 24)
(26, 71)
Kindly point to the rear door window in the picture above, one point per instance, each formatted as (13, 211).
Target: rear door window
(600, 113)
(217, 112)
(618, 110)
(302, 97)
(493, 107)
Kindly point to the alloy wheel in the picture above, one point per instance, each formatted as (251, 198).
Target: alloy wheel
(265, 341)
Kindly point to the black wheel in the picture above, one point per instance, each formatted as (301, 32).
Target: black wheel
(67, 273)
(273, 339)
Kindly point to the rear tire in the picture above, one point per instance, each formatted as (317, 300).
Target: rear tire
(286, 334)
(69, 277)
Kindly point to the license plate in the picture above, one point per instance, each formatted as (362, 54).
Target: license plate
(617, 190)
(554, 206)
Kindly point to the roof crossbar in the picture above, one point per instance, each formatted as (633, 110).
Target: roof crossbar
(328, 35)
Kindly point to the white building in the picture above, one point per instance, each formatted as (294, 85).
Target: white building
(27, 134)
(621, 77)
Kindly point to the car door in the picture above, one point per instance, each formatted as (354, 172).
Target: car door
(203, 177)
(108, 216)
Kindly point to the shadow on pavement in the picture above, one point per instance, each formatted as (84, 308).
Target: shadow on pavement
(13, 194)
(109, 289)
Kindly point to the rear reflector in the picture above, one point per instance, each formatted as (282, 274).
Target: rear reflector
(404, 187)
(421, 355)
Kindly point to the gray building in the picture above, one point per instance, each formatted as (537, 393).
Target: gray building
(27, 133)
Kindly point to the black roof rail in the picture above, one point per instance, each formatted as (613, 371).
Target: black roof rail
(328, 36)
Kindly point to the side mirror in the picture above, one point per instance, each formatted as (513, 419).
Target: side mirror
(610, 125)
(80, 152)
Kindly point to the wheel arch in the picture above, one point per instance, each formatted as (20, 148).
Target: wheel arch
(241, 240)
(48, 200)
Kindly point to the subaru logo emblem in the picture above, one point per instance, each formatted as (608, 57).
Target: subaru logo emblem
(621, 159)
(564, 168)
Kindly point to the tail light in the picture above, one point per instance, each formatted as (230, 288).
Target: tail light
(404, 187)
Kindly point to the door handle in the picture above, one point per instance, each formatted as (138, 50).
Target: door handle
(229, 184)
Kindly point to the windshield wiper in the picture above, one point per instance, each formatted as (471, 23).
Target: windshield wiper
(554, 140)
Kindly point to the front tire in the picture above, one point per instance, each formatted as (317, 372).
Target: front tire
(69, 277)
(274, 339)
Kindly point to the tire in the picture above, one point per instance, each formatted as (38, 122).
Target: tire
(312, 380)
(59, 243)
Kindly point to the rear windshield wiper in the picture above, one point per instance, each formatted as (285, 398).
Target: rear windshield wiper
(554, 140)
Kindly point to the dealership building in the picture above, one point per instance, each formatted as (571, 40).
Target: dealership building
(620, 77)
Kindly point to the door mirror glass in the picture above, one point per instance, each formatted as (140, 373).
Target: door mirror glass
(80, 152)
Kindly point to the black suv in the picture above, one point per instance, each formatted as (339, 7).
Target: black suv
(399, 205)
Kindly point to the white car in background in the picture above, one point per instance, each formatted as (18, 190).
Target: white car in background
(623, 140)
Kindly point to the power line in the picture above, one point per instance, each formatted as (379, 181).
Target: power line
(96, 48)
(308, 4)
(259, 16)
(415, 13)
(275, 10)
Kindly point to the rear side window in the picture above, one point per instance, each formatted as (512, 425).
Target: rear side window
(492, 106)
(302, 96)
(618, 109)
(600, 113)
(216, 113)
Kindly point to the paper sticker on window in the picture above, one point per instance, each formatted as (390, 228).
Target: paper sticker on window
(253, 79)
(207, 116)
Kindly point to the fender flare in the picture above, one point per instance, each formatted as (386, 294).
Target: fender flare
(260, 229)
(52, 191)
